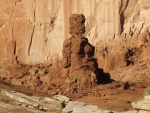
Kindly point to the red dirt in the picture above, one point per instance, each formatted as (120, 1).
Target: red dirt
(114, 96)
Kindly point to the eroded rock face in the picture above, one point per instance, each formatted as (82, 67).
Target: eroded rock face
(78, 55)
(45, 23)
(77, 52)
(17, 102)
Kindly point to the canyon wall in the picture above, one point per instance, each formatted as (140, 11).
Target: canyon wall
(33, 31)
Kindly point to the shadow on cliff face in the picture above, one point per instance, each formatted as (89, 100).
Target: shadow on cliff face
(102, 77)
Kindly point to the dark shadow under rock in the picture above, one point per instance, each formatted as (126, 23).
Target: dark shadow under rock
(102, 77)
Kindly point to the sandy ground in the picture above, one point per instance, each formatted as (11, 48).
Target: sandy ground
(113, 96)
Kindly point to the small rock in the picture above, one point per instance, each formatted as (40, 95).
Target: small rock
(143, 104)
(128, 101)
(61, 98)
(71, 105)
(85, 109)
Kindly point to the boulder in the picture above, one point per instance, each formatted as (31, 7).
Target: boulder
(143, 105)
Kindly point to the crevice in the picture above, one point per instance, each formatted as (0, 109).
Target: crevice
(136, 6)
(31, 39)
(58, 9)
(14, 47)
(34, 12)
(141, 28)
(13, 31)
(34, 15)
(122, 18)
(52, 23)
(32, 34)
(14, 42)
(18, 1)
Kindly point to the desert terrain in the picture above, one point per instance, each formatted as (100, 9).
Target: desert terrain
(56, 52)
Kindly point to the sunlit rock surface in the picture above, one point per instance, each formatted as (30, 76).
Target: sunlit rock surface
(33, 31)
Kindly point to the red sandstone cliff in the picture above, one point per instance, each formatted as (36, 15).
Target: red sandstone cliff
(33, 31)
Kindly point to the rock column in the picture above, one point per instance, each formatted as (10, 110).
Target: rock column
(78, 54)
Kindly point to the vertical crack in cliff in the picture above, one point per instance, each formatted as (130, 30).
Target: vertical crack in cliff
(31, 39)
(15, 48)
(33, 30)
(136, 7)
(34, 10)
(56, 14)
(52, 23)
(122, 18)
(34, 15)
(140, 29)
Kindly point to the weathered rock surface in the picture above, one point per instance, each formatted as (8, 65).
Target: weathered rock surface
(43, 104)
(143, 105)
(78, 56)
(32, 104)
(33, 31)
(79, 107)
(16, 102)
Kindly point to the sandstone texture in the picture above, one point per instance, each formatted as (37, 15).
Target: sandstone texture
(142, 106)
(79, 107)
(33, 34)
(42, 104)
(79, 64)
(16, 102)
(33, 31)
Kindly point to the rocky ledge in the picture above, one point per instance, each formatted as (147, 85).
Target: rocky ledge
(22, 103)
(55, 104)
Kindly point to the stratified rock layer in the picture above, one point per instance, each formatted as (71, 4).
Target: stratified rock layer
(34, 31)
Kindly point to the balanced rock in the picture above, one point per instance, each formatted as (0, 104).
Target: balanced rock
(78, 55)
(77, 24)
